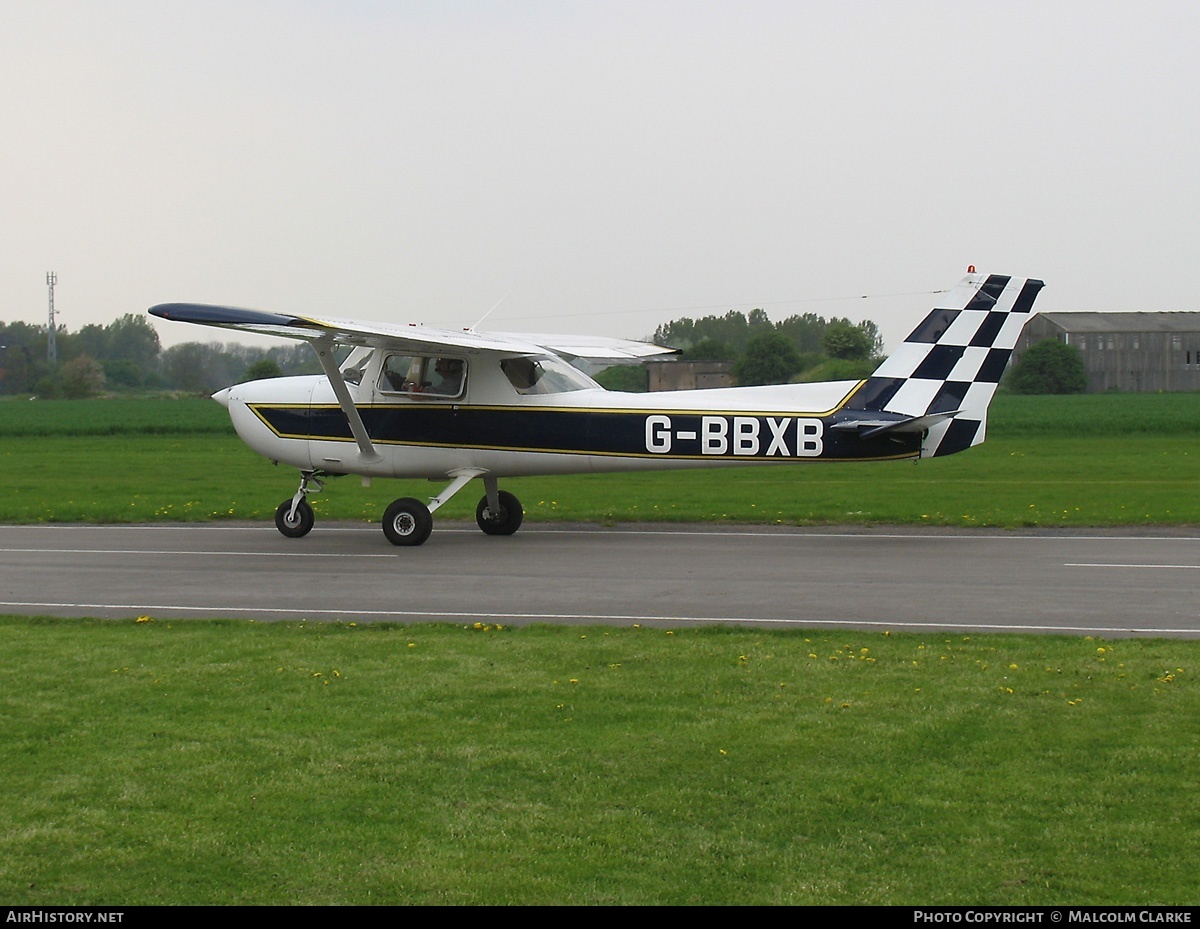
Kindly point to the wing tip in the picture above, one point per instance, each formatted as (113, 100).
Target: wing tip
(206, 314)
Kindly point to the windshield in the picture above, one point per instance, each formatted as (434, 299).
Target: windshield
(355, 364)
(544, 374)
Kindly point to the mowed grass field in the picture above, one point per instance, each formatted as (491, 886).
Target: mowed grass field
(163, 762)
(1069, 461)
(150, 761)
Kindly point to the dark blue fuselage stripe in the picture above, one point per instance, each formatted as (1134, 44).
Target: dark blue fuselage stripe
(589, 432)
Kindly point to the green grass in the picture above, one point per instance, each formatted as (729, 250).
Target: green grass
(1049, 461)
(126, 416)
(223, 762)
(1035, 481)
(1099, 415)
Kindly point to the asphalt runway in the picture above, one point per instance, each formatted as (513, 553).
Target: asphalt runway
(1084, 582)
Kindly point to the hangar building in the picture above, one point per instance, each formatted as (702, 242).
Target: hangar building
(1126, 351)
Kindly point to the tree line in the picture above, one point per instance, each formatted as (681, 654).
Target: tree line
(801, 347)
(126, 355)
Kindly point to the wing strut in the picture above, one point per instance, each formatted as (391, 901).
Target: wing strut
(324, 350)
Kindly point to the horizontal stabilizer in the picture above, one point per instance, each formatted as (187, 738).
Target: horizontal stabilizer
(870, 428)
(915, 424)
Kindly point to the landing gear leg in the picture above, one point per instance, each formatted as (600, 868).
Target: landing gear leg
(294, 518)
(499, 512)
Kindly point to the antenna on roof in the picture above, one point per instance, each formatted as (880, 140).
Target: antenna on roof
(496, 304)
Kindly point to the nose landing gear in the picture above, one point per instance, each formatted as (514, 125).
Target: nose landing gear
(295, 517)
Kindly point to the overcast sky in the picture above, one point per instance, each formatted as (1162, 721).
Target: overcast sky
(607, 165)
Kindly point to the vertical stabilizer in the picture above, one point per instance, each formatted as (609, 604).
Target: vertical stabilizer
(952, 362)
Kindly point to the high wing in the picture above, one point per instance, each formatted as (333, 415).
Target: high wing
(410, 338)
(323, 333)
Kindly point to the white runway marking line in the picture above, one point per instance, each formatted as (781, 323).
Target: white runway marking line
(930, 536)
(225, 612)
(139, 551)
(1086, 564)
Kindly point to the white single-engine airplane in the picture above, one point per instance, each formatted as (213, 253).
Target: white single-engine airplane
(414, 402)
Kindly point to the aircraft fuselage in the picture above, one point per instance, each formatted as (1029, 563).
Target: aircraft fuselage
(584, 430)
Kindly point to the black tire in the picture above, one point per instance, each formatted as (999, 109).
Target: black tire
(407, 522)
(506, 522)
(300, 525)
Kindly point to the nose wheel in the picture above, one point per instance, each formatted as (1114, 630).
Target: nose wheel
(294, 521)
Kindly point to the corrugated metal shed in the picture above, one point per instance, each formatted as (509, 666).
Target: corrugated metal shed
(1125, 322)
(1126, 351)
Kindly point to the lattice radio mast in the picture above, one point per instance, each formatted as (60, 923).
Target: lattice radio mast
(51, 348)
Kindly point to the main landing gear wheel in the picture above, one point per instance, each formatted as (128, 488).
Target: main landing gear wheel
(298, 525)
(506, 521)
(407, 522)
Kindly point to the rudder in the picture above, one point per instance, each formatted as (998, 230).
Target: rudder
(953, 361)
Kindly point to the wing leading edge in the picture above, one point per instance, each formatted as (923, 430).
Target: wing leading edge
(412, 337)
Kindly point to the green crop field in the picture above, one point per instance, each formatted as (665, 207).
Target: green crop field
(118, 417)
(1071, 461)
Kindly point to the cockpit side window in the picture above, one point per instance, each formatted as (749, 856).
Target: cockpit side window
(400, 372)
(424, 376)
(544, 374)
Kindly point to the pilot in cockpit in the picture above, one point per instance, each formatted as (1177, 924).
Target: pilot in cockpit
(422, 376)
(448, 380)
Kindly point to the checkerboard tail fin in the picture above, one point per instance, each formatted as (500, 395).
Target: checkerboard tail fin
(945, 373)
